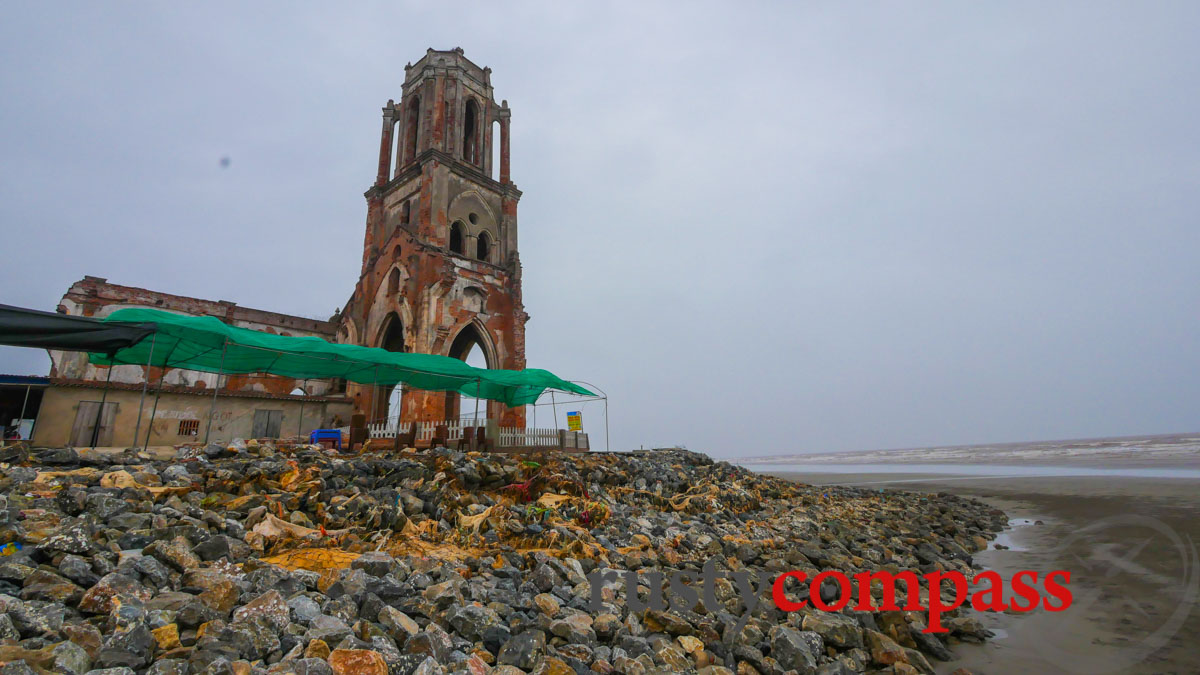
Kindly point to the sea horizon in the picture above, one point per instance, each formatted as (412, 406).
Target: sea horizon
(1181, 449)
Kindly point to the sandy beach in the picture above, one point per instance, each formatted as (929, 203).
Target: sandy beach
(1130, 545)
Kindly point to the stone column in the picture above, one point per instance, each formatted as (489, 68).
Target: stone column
(439, 114)
(455, 98)
(385, 144)
(485, 139)
(425, 132)
(505, 118)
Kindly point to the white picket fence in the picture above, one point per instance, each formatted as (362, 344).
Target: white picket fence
(507, 437)
(510, 437)
(425, 430)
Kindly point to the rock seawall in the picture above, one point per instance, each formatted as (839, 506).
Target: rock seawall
(261, 559)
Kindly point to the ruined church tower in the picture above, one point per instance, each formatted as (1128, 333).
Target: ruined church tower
(440, 267)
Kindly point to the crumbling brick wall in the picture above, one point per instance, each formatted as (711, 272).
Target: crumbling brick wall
(441, 267)
(96, 297)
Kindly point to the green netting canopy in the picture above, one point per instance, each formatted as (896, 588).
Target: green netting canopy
(207, 344)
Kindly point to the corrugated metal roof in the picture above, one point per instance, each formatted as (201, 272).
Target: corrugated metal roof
(24, 380)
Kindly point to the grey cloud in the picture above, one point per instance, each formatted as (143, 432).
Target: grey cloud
(761, 228)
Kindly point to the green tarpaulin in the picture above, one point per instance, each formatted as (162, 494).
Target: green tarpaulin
(206, 343)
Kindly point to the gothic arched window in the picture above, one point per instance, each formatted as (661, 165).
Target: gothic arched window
(483, 246)
(471, 132)
(393, 281)
(456, 238)
(410, 130)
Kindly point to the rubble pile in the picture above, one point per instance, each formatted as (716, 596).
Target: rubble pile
(255, 558)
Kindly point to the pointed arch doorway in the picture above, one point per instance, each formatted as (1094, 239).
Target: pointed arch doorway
(388, 399)
(472, 346)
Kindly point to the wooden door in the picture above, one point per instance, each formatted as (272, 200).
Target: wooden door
(85, 424)
(267, 423)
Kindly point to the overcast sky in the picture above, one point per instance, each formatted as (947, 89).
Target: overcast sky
(760, 227)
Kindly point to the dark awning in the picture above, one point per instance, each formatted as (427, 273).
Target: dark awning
(22, 327)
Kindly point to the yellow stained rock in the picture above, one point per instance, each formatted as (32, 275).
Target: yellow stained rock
(546, 603)
(883, 649)
(554, 666)
(313, 559)
(316, 649)
(202, 629)
(43, 657)
(358, 662)
(123, 479)
(744, 668)
(167, 637)
(689, 643)
(222, 596)
(85, 473)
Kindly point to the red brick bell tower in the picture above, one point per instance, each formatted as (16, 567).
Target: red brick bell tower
(440, 269)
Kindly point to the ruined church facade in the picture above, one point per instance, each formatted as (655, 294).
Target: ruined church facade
(440, 273)
(441, 269)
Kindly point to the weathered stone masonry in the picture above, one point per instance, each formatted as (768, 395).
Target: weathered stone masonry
(441, 268)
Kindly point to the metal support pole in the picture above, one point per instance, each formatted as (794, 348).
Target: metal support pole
(396, 438)
(154, 409)
(137, 429)
(604, 395)
(554, 407)
(374, 399)
(606, 449)
(475, 436)
(100, 412)
(213, 408)
(398, 392)
(300, 424)
(22, 417)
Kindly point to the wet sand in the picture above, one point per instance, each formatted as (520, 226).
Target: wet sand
(1130, 546)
